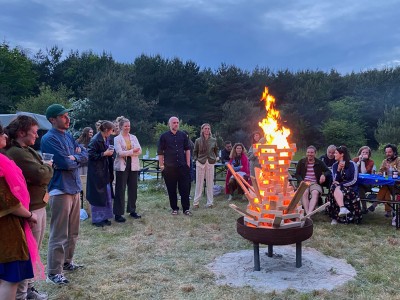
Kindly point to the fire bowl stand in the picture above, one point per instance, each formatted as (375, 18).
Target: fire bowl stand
(275, 237)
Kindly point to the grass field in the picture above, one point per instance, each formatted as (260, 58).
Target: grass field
(164, 257)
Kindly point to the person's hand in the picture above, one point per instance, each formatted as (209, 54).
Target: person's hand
(32, 221)
(71, 157)
(78, 149)
(322, 179)
(108, 152)
(48, 162)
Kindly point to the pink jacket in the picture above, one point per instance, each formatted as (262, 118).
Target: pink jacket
(122, 153)
(245, 168)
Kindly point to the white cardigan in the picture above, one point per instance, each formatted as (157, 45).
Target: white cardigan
(122, 153)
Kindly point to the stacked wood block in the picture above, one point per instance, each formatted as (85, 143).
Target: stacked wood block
(272, 202)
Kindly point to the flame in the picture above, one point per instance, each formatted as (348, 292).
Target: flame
(272, 133)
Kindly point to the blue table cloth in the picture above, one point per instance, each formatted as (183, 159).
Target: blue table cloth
(374, 179)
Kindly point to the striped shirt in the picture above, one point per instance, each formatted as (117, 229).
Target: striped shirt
(310, 175)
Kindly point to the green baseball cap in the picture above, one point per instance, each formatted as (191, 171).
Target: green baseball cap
(55, 110)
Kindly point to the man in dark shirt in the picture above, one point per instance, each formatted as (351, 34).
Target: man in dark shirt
(329, 157)
(174, 159)
(329, 160)
(226, 152)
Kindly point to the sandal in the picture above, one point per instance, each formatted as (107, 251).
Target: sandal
(188, 213)
(174, 213)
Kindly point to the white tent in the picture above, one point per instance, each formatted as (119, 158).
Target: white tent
(44, 124)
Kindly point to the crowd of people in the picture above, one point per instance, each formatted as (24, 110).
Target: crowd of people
(29, 183)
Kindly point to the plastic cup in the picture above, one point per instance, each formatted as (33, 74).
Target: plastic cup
(47, 157)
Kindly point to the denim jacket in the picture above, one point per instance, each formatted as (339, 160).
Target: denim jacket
(66, 175)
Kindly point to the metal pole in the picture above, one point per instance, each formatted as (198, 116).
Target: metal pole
(270, 250)
(256, 256)
(298, 255)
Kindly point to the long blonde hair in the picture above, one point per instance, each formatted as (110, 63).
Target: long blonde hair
(203, 141)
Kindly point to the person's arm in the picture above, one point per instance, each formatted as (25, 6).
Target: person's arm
(81, 154)
(137, 150)
(298, 175)
(61, 159)
(34, 171)
(196, 149)
(351, 175)
(96, 152)
(383, 167)
(119, 145)
(161, 161)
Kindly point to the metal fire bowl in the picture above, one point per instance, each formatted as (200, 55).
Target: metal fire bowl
(275, 236)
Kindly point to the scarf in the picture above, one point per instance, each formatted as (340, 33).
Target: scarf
(16, 181)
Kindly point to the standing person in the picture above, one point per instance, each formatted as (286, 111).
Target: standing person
(343, 195)
(226, 152)
(240, 163)
(253, 159)
(205, 154)
(84, 140)
(98, 190)
(314, 171)
(22, 134)
(19, 255)
(365, 165)
(174, 160)
(126, 166)
(64, 190)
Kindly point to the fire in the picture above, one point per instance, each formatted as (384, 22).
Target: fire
(272, 133)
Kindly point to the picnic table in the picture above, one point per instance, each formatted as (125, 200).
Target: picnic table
(379, 180)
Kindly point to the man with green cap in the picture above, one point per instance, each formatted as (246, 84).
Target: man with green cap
(64, 190)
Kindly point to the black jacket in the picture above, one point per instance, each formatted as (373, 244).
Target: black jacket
(319, 169)
(99, 173)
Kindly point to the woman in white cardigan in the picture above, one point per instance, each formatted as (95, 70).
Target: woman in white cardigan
(126, 167)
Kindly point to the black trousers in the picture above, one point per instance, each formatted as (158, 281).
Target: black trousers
(178, 176)
(122, 180)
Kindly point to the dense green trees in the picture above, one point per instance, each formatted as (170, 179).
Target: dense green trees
(320, 108)
(17, 77)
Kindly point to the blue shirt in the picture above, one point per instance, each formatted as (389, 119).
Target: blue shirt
(173, 147)
(66, 176)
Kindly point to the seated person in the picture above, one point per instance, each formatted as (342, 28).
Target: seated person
(329, 160)
(240, 163)
(329, 157)
(343, 195)
(365, 165)
(313, 170)
(392, 161)
(226, 152)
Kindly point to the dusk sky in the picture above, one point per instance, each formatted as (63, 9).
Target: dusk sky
(288, 34)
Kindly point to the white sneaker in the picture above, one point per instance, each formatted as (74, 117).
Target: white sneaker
(333, 222)
(343, 211)
(230, 198)
(394, 221)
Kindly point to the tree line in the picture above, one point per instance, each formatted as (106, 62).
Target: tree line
(319, 108)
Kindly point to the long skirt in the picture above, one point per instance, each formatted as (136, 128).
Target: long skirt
(350, 201)
(101, 213)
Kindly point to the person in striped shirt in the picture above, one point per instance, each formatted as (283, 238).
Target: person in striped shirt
(314, 171)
